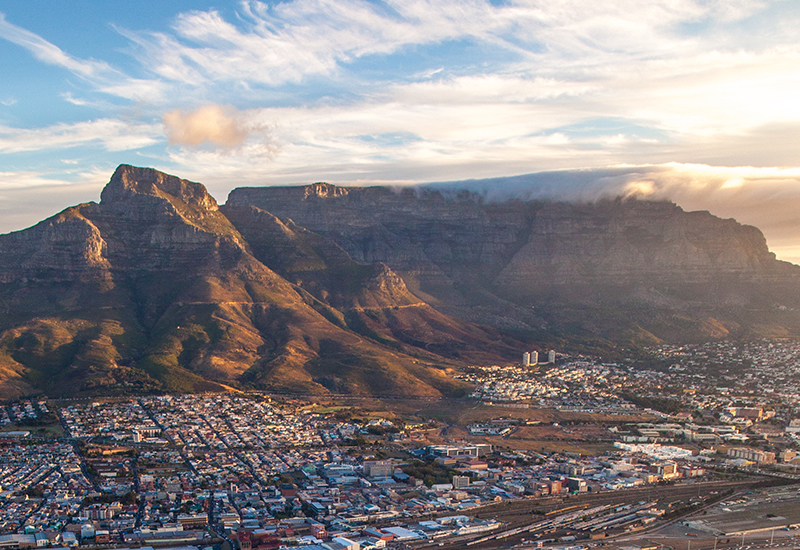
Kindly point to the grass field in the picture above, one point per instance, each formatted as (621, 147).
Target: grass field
(558, 431)
(467, 412)
(46, 430)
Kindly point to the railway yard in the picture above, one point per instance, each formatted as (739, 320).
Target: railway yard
(700, 516)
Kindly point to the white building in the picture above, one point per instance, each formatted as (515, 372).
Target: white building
(347, 543)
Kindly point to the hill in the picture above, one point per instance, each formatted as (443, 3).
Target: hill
(322, 289)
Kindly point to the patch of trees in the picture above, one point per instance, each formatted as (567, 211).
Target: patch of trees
(430, 472)
(126, 499)
(663, 404)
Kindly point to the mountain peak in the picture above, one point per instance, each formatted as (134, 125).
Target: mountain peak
(130, 181)
(324, 189)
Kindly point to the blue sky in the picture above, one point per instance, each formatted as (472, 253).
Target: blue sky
(692, 100)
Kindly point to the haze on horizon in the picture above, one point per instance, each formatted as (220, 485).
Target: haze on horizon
(689, 100)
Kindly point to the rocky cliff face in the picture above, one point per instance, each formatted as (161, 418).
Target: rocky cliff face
(66, 246)
(521, 246)
(638, 245)
(492, 262)
(422, 235)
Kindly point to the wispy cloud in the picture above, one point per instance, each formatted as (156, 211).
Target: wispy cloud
(101, 74)
(112, 135)
(74, 100)
(566, 64)
(289, 41)
(50, 53)
(27, 180)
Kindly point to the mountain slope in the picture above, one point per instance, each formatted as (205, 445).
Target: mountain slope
(369, 299)
(155, 289)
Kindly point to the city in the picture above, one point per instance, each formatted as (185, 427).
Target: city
(254, 470)
(404, 275)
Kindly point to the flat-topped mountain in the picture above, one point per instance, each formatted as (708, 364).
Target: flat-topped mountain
(610, 268)
(320, 289)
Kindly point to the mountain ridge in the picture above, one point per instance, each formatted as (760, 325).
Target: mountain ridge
(321, 288)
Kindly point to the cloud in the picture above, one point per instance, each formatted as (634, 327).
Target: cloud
(677, 94)
(49, 53)
(75, 101)
(218, 125)
(29, 197)
(28, 180)
(213, 124)
(576, 60)
(766, 197)
(113, 135)
(291, 40)
(99, 73)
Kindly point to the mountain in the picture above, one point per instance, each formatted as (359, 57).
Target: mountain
(154, 289)
(621, 270)
(375, 291)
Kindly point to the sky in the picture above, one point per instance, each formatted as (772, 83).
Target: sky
(696, 101)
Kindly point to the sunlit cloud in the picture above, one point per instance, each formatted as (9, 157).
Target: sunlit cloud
(209, 124)
(222, 128)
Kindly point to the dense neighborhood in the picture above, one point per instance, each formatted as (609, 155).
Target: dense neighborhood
(255, 471)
